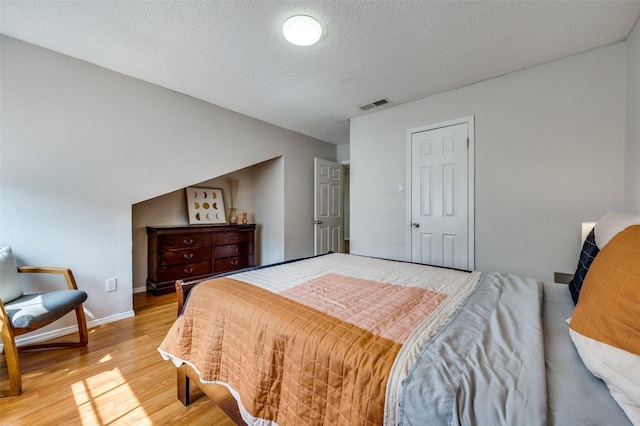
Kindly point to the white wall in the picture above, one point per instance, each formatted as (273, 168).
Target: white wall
(549, 155)
(344, 155)
(270, 207)
(80, 145)
(632, 149)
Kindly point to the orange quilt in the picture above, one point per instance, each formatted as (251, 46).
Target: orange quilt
(609, 307)
(290, 363)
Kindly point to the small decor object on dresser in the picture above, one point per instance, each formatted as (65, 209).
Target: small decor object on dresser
(233, 192)
(233, 216)
(205, 206)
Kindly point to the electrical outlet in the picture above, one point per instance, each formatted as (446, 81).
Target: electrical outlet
(112, 284)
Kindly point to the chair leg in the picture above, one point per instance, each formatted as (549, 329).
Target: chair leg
(11, 356)
(83, 334)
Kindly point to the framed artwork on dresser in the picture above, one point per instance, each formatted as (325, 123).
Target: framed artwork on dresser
(205, 206)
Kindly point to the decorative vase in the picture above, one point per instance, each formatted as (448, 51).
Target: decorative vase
(233, 215)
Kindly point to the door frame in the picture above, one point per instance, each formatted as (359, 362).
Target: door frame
(470, 120)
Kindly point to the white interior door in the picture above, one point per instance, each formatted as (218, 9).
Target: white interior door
(440, 197)
(328, 220)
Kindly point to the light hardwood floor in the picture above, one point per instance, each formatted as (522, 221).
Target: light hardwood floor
(119, 379)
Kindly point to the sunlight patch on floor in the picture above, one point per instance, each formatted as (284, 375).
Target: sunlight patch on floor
(105, 398)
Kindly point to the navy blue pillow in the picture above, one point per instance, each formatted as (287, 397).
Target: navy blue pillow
(588, 253)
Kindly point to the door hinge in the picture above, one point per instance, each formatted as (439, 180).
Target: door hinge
(467, 143)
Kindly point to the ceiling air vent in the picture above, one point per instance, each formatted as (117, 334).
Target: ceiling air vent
(374, 104)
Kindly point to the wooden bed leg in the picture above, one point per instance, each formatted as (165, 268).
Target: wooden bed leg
(182, 291)
(184, 394)
(181, 295)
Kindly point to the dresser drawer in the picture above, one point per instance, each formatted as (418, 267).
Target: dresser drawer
(177, 242)
(230, 263)
(232, 237)
(184, 272)
(175, 257)
(233, 250)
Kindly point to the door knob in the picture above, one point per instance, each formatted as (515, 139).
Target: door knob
(317, 222)
(415, 225)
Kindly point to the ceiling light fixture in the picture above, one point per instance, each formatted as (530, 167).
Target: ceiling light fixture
(302, 30)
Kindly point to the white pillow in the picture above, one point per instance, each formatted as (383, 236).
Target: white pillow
(612, 223)
(619, 369)
(10, 285)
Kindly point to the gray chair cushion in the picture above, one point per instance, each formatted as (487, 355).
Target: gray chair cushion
(32, 311)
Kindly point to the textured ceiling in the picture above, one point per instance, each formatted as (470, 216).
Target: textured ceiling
(233, 54)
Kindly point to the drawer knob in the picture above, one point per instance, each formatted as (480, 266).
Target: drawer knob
(189, 242)
(188, 256)
(236, 250)
(234, 262)
(188, 271)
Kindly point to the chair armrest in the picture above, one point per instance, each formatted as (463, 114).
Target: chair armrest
(66, 272)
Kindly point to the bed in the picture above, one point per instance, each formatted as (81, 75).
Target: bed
(346, 339)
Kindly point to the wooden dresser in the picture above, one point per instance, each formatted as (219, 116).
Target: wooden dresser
(190, 253)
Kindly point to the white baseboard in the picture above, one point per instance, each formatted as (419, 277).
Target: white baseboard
(112, 318)
(43, 337)
(139, 290)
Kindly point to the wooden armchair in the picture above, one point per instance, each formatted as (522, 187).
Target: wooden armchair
(21, 313)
